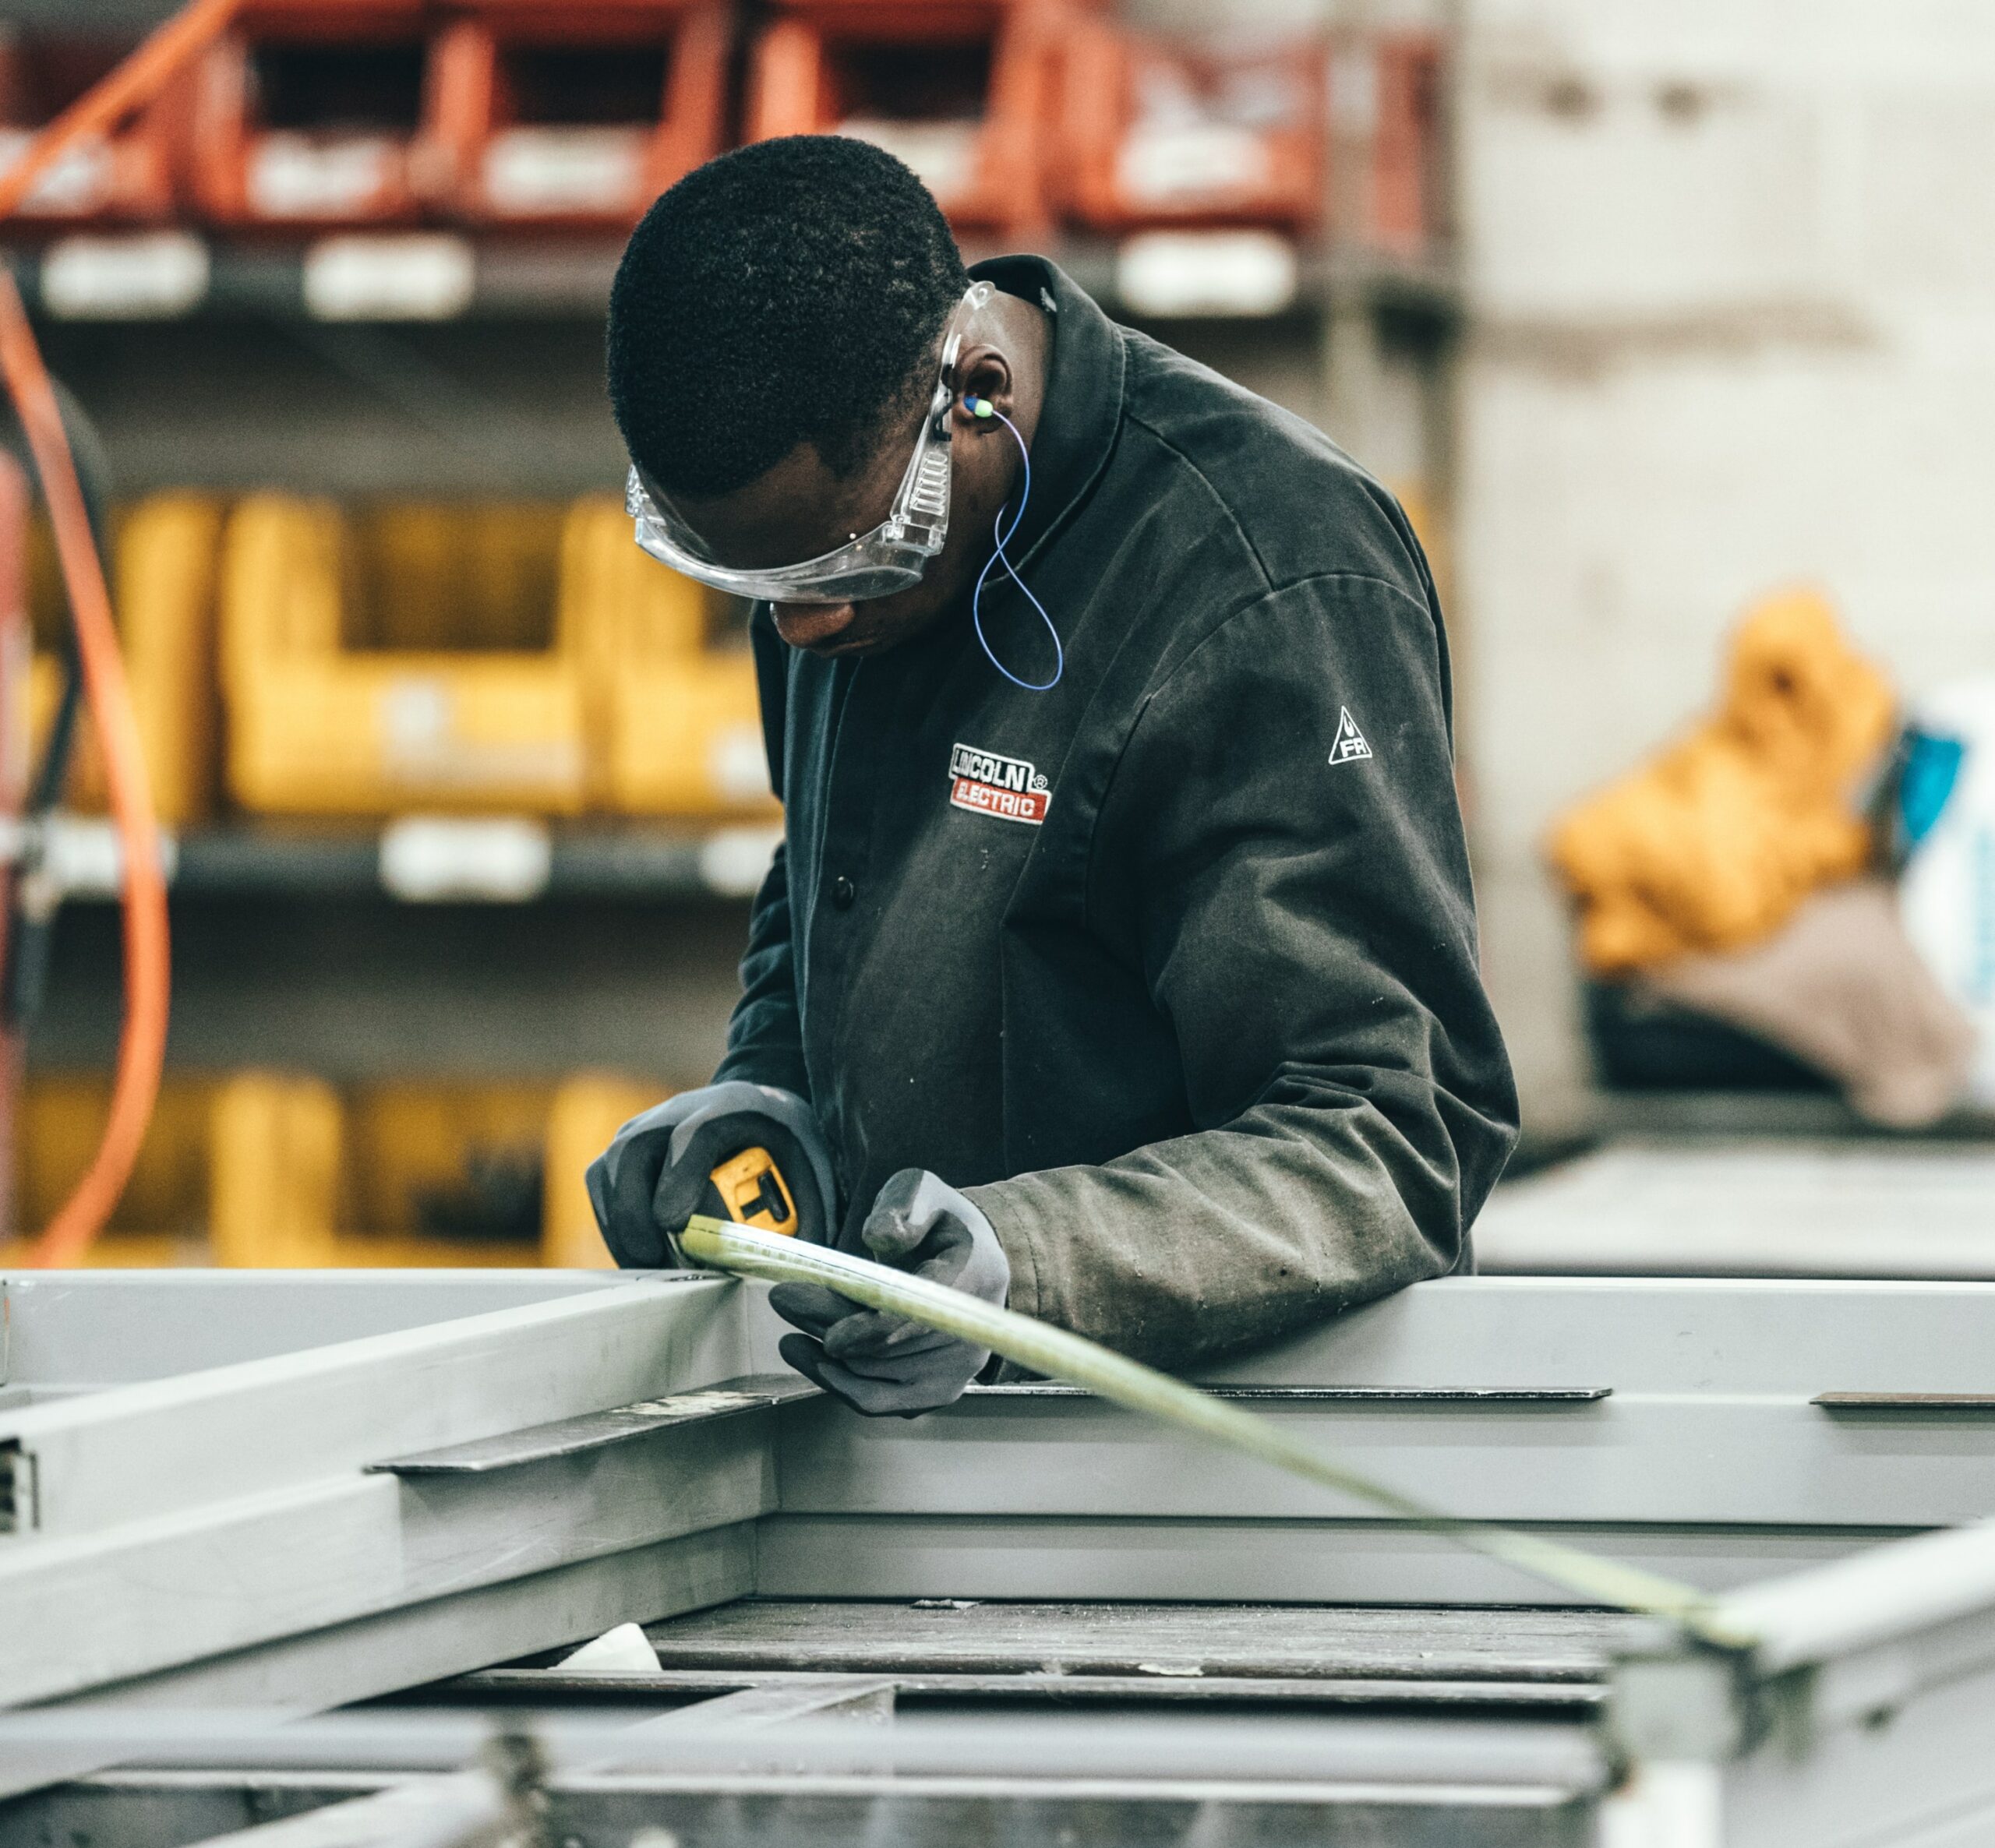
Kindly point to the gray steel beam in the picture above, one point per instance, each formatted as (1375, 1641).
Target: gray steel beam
(325, 1543)
(1214, 1749)
(162, 1812)
(467, 1809)
(212, 1517)
(404, 1648)
(1369, 1694)
(223, 1529)
(1121, 1636)
(1887, 1596)
(1727, 1760)
(86, 1330)
(1342, 1782)
(166, 1447)
(488, 1802)
(1707, 1459)
(1635, 1334)
(1289, 1561)
(1858, 1716)
(158, 1594)
(1724, 1205)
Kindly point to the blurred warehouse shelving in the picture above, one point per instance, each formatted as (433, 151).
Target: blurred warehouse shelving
(264, 1170)
(391, 159)
(429, 859)
(363, 258)
(131, 278)
(1276, 201)
(332, 913)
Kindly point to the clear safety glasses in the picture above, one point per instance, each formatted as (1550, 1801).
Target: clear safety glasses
(891, 558)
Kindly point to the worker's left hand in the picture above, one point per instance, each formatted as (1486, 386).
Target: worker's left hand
(879, 1363)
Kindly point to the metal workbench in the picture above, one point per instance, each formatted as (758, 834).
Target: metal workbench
(1719, 1205)
(234, 1503)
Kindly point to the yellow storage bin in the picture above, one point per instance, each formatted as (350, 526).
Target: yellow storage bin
(325, 719)
(586, 1112)
(270, 1170)
(676, 724)
(163, 1217)
(458, 1165)
(275, 1144)
(686, 739)
(507, 657)
(445, 577)
(444, 1175)
(164, 557)
(410, 1174)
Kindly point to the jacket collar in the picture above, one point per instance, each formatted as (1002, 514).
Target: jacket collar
(1082, 412)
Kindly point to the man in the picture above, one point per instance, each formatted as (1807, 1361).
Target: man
(1118, 963)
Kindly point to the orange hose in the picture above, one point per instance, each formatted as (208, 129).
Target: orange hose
(131, 85)
(142, 1041)
(148, 970)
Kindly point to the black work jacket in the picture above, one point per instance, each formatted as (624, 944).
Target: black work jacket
(1172, 969)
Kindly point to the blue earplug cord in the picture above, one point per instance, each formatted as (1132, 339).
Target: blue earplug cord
(1001, 533)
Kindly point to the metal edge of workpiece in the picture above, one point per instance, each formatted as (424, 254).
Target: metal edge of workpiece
(1077, 1689)
(1317, 1395)
(595, 1430)
(380, 1654)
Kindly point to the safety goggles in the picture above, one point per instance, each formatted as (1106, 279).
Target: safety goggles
(891, 558)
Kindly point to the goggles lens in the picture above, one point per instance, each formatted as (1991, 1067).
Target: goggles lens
(892, 557)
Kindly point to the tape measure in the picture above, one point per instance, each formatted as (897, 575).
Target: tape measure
(753, 1192)
(1059, 1354)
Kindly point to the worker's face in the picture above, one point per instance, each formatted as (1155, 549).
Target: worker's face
(799, 510)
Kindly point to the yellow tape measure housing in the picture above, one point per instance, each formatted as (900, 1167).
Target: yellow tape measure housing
(752, 1192)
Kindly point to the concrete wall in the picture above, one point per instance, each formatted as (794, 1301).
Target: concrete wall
(1731, 270)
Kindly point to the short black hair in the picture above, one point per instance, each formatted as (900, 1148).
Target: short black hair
(785, 293)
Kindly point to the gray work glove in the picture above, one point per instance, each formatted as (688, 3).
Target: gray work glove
(879, 1364)
(655, 1173)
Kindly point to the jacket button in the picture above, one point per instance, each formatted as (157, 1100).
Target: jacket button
(843, 892)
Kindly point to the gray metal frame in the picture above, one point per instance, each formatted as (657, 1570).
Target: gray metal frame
(1860, 1716)
(293, 1527)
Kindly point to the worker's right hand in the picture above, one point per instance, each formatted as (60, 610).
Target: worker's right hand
(657, 1172)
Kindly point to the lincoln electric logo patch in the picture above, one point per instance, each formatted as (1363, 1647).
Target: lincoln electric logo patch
(1008, 787)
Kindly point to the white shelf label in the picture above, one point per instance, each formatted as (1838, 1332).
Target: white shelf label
(1175, 164)
(83, 857)
(412, 276)
(78, 181)
(738, 760)
(427, 859)
(563, 170)
(146, 276)
(733, 861)
(304, 176)
(1207, 272)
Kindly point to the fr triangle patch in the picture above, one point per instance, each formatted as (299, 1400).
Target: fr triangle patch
(1349, 745)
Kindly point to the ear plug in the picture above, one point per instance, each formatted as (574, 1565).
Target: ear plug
(1002, 533)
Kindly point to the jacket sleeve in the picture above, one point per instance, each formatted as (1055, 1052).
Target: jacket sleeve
(765, 1031)
(1281, 852)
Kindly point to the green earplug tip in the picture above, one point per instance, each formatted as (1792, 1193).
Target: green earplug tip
(983, 407)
